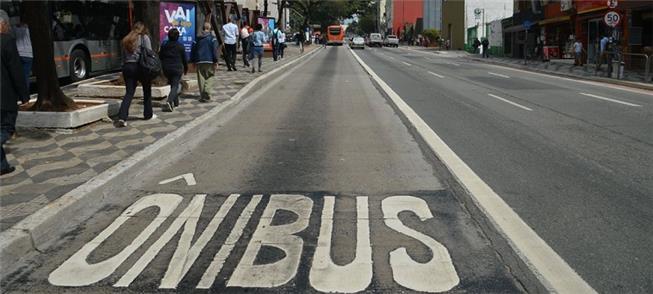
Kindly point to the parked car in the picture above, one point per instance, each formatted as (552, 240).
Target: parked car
(391, 41)
(357, 42)
(375, 40)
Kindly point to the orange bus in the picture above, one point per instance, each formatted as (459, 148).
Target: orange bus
(335, 35)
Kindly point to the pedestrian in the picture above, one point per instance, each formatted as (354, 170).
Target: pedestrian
(24, 44)
(578, 53)
(132, 45)
(204, 54)
(230, 31)
(13, 88)
(174, 63)
(476, 44)
(258, 39)
(276, 45)
(301, 38)
(486, 48)
(603, 51)
(244, 40)
(282, 43)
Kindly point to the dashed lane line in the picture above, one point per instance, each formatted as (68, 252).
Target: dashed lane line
(406, 63)
(610, 100)
(510, 102)
(549, 268)
(498, 75)
(437, 75)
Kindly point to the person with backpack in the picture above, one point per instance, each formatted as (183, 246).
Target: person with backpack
(476, 44)
(134, 45)
(204, 54)
(173, 61)
(486, 48)
(282, 43)
(256, 51)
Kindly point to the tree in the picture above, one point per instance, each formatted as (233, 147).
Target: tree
(50, 97)
(432, 34)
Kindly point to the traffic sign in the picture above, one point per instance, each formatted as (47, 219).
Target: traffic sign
(612, 18)
(612, 4)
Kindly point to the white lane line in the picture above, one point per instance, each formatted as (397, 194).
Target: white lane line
(437, 75)
(388, 56)
(406, 63)
(549, 268)
(508, 101)
(610, 99)
(498, 75)
(454, 64)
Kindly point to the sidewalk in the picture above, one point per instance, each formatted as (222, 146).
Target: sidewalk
(50, 163)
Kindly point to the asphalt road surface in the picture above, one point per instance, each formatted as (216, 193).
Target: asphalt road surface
(573, 159)
(315, 185)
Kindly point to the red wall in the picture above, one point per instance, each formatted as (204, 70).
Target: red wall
(406, 11)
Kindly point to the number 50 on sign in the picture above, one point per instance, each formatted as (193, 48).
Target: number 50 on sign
(612, 18)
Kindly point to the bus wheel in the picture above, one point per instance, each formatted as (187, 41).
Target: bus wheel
(80, 65)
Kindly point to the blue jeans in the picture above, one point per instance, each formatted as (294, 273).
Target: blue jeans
(7, 128)
(27, 68)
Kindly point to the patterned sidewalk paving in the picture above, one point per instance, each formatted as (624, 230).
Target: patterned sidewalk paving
(50, 164)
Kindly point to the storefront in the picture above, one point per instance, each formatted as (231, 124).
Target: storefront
(557, 31)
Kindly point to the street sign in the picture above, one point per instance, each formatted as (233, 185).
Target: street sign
(612, 18)
(612, 4)
(527, 24)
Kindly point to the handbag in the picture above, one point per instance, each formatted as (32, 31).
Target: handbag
(149, 62)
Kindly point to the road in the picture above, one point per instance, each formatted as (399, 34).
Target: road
(313, 184)
(574, 159)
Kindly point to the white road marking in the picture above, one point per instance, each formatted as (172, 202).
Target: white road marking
(454, 64)
(549, 268)
(436, 275)
(388, 56)
(510, 102)
(610, 100)
(437, 75)
(498, 75)
(406, 63)
(326, 276)
(248, 274)
(605, 85)
(188, 219)
(189, 178)
(221, 257)
(76, 271)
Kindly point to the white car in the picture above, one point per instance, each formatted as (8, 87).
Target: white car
(376, 40)
(357, 42)
(391, 41)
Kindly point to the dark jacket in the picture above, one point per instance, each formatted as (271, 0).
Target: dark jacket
(485, 43)
(205, 49)
(173, 57)
(14, 86)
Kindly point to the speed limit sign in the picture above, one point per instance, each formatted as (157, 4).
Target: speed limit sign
(612, 18)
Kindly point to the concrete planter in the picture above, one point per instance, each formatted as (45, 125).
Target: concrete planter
(68, 120)
(104, 89)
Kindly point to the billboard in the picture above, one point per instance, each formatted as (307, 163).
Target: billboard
(180, 16)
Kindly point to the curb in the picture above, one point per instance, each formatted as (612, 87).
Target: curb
(544, 263)
(638, 85)
(37, 232)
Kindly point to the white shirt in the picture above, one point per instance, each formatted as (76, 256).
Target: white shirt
(282, 37)
(244, 33)
(23, 42)
(578, 47)
(230, 31)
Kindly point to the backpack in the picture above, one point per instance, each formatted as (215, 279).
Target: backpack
(149, 62)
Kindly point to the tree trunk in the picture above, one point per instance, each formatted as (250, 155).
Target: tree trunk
(50, 96)
(147, 12)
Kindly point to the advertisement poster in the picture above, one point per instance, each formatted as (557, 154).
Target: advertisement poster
(268, 25)
(180, 16)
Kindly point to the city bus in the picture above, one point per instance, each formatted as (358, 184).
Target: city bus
(86, 34)
(335, 35)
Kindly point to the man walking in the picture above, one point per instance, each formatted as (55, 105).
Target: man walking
(282, 42)
(275, 43)
(244, 40)
(603, 51)
(578, 53)
(14, 88)
(205, 56)
(476, 44)
(230, 31)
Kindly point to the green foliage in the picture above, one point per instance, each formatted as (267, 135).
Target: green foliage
(367, 24)
(432, 34)
(324, 12)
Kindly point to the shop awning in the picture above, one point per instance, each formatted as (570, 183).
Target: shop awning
(554, 20)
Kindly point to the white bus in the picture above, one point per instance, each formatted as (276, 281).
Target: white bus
(86, 34)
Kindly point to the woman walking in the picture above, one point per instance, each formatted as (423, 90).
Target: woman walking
(258, 39)
(131, 72)
(174, 63)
